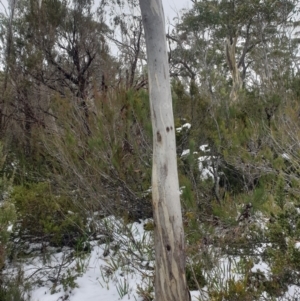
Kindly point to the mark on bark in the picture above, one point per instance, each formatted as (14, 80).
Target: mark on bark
(168, 129)
(165, 171)
(171, 128)
(168, 248)
(172, 219)
(158, 135)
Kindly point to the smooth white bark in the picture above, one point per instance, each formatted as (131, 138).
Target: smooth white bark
(237, 83)
(170, 281)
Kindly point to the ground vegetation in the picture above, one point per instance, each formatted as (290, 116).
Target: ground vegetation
(76, 142)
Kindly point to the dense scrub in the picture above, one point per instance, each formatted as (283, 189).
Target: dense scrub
(240, 203)
(77, 142)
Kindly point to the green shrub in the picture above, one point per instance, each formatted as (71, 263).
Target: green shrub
(45, 215)
(194, 276)
(10, 288)
(7, 218)
(7, 209)
(13, 291)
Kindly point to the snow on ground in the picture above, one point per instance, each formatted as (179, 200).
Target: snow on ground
(96, 277)
(292, 294)
(92, 285)
(112, 277)
(100, 278)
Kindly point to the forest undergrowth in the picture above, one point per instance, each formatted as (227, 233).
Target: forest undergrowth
(239, 191)
(76, 148)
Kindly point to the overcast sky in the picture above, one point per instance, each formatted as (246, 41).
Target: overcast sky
(171, 7)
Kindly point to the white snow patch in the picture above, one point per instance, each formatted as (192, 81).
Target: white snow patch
(10, 228)
(293, 293)
(204, 148)
(185, 152)
(205, 167)
(186, 125)
(286, 156)
(262, 267)
(181, 189)
(148, 191)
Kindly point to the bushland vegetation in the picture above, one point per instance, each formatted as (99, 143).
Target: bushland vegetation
(76, 137)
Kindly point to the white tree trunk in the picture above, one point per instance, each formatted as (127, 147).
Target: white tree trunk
(237, 83)
(170, 280)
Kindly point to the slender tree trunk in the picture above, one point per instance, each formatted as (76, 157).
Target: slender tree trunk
(9, 44)
(170, 280)
(237, 82)
(9, 41)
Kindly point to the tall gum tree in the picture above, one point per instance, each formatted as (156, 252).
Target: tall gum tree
(224, 36)
(170, 280)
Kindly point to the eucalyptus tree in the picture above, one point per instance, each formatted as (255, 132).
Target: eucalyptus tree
(170, 280)
(232, 28)
(7, 41)
(128, 37)
(61, 45)
(274, 61)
